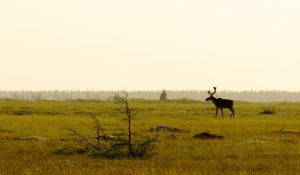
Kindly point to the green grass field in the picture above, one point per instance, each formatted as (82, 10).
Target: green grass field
(252, 144)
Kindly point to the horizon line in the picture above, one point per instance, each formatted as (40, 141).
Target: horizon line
(143, 90)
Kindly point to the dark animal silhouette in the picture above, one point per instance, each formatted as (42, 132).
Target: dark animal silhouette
(220, 103)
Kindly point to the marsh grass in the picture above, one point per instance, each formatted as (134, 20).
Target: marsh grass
(252, 144)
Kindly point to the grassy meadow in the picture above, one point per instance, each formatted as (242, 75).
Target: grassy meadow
(253, 143)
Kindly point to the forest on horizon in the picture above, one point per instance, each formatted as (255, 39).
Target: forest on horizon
(251, 96)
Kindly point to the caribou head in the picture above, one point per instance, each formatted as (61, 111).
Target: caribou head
(211, 97)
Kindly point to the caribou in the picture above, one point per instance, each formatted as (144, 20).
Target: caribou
(220, 103)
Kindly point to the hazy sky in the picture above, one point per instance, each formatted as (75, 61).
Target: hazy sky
(149, 44)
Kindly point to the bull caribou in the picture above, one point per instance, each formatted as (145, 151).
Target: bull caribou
(220, 103)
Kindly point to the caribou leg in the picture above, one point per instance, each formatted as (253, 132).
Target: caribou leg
(216, 112)
(232, 110)
(222, 112)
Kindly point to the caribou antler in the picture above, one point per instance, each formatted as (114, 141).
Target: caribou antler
(215, 90)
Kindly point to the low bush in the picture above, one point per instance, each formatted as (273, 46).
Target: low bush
(268, 111)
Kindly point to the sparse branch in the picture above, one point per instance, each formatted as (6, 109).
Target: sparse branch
(80, 138)
(128, 112)
(97, 128)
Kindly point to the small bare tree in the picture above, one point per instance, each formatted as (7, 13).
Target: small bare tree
(129, 113)
(143, 147)
(98, 129)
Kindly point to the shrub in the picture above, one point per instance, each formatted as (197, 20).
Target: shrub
(110, 153)
(144, 148)
(268, 111)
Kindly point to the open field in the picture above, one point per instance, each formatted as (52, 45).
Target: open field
(252, 144)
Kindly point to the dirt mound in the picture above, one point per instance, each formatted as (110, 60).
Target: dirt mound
(288, 131)
(206, 135)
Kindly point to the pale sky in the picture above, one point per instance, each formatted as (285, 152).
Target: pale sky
(149, 44)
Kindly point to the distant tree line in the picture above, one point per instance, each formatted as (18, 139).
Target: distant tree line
(252, 96)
